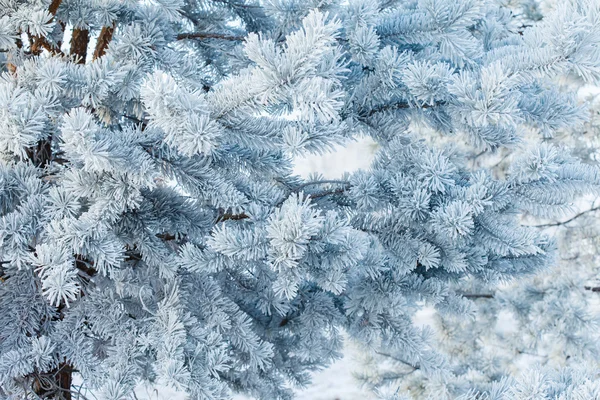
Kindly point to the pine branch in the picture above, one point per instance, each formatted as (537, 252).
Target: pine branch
(237, 217)
(79, 44)
(104, 39)
(40, 42)
(206, 35)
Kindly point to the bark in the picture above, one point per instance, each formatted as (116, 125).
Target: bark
(54, 6)
(64, 378)
(104, 39)
(12, 68)
(39, 42)
(79, 44)
(41, 154)
(56, 384)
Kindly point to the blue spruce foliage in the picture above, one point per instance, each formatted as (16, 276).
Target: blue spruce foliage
(152, 228)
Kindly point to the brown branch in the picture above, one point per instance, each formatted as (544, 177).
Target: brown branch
(104, 39)
(567, 221)
(477, 295)
(10, 66)
(60, 380)
(41, 154)
(54, 6)
(40, 42)
(231, 217)
(85, 266)
(54, 50)
(592, 288)
(64, 378)
(79, 44)
(206, 35)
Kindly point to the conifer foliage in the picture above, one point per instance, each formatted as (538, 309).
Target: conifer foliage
(152, 228)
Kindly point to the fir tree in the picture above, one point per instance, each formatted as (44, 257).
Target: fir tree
(151, 226)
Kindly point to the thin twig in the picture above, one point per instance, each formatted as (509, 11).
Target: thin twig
(567, 221)
(231, 217)
(478, 295)
(239, 5)
(206, 35)
(327, 193)
(414, 367)
(334, 181)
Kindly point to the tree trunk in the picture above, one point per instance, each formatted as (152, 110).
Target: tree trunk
(79, 44)
(59, 387)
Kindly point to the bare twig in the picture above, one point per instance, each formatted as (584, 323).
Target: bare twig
(231, 217)
(238, 5)
(478, 295)
(206, 35)
(414, 367)
(323, 182)
(328, 192)
(567, 221)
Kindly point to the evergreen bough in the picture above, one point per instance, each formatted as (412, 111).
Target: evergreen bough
(152, 228)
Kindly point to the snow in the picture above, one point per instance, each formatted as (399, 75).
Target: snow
(338, 382)
(356, 155)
